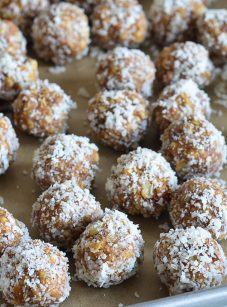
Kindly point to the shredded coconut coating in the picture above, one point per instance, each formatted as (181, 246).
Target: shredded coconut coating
(63, 157)
(185, 61)
(87, 5)
(9, 143)
(42, 109)
(123, 68)
(109, 251)
(12, 231)
(22, 12)
(141, 183)
(200, 202)
(12, 40)
(212, 27)
(179, 100)
(118, 119)
(16, 73)
(174, 20)
(61, 34)
(34, 274)
(194, 147)
(189, 260)
(62, 213)
(119, 22)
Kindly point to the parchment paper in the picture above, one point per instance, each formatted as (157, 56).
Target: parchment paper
(20, 192)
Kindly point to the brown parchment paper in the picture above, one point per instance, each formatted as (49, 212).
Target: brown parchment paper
(20, 192)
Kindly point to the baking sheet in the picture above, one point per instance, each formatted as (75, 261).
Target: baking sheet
(20, 192)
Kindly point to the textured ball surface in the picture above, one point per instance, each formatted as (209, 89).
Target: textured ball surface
(180, 100)
(16, 73)
(64, 157)
(118, 119)
(141, 183)
(12, 231)
(194, 147)
(9, 143)
(129, 69)
(12, 40)
(174, 20)
(189, 260)
(42, 109)
(200, 202)
(212, 27)
(185, 61)
(62, 213)
(61, 34)
(34, 274)
(119, 22)
(109, 251)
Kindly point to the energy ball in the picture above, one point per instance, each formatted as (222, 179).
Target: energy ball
(194, 147)
(141, 183)
(212, 27)
(109, 251)
(189, 260)
(34, 274)
(118, 119)
(174, 20)
(9, 143)
(64, 157)
(185, 61)
(11, 38)
(12, 231)
(22, 12)
(119, 22)
(61, 34)
(178, 100)
(200, 202)
(123, 68)
(42, 109)
(16, 73)
(62, 213)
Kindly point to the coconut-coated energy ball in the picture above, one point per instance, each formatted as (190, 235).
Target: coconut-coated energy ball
(118, 119)
(11, 38)
(123, 68)
(61, 34)
(184, 61)
(64, 157)
(62, 213)
(9, 143)
(181, 99)
(22, 12)
(174, 20)
(12, 231)
(194, 147)
(109, 251)
(119, 22)
(212, 27)
(200, 202)
(42, 109)
(34, 273)
(141, 183)
(189, 260)
(16, 73)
